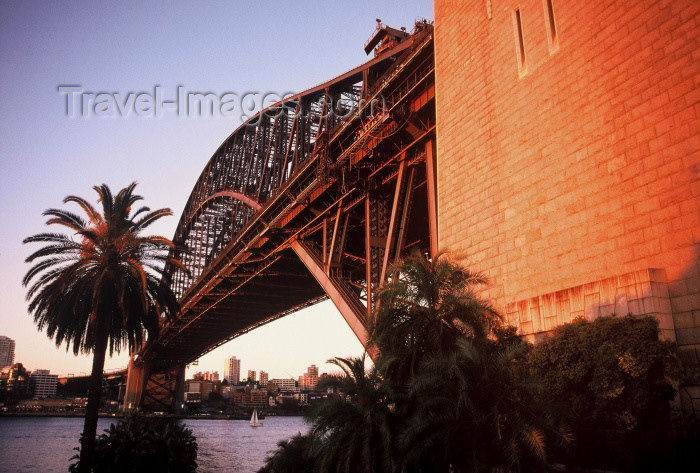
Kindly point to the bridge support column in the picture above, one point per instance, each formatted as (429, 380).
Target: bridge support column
(180, 390)
(154, 391)
(352, 310)
(164, 390)
(135, 382)
(431, 178)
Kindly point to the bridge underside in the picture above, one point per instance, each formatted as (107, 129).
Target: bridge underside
(254, 294)
(301, 204)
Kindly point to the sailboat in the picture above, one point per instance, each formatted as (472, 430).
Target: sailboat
(254, 419)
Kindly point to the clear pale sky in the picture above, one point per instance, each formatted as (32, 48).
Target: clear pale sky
(123, 47)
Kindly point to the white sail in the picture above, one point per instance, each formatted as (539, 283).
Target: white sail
(254, 419)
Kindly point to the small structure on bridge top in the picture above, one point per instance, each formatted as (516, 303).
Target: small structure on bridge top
(386, 37)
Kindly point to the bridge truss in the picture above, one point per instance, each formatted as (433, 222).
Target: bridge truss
(313, 198)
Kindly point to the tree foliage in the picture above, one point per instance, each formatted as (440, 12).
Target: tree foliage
(353, 429)
(615, 377)
(145, 445)
(101, 286)
(450, 391)
(424, 310)
(103, 280)
(456, 374)
(454, 390)
(295, 455)
(476, 410)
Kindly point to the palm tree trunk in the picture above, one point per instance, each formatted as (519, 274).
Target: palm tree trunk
(92, 409)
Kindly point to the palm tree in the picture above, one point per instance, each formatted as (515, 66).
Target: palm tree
(292, 456)
(100, 287)
(354, 429)
(455, 374)
(426, 309)
(477, 410)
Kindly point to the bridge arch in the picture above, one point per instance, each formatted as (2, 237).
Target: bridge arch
(302, 203)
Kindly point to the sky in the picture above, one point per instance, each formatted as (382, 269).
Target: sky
(122, 49)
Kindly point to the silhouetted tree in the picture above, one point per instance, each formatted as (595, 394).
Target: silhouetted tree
(615, 375)
(101, 286)
(295, 455)
(456, 375)
(354, 428)
(141, 445)
(450, 391)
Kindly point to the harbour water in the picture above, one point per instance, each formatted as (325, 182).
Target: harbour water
(45, 444)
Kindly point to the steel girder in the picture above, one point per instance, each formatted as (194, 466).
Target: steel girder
(300, 204)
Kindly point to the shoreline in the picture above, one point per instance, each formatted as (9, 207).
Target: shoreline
(155, 416)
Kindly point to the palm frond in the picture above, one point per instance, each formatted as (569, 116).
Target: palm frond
(47, 237)
(151, 217)
(74, 287)
(65, 218)
(93, 215)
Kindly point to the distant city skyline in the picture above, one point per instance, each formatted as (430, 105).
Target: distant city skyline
(117, 50)
(237, 367)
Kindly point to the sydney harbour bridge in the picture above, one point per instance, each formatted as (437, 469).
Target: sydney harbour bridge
(313, 198)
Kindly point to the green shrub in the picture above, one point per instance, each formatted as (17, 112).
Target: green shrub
(145, 445)
(614, 376)
(292, 456)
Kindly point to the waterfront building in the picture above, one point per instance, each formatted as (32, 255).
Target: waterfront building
(193, 386)
(60, 405)
(193, 397)
(7, 351)
(202, 386)
(283, 384)
(14, 381)
(43, 383)
(232, 370)
(250, 398)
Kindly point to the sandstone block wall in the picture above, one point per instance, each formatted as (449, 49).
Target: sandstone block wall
(568, 156)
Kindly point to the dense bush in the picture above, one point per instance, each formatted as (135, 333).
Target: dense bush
(145, 445)
(292, 456)
(615, 377)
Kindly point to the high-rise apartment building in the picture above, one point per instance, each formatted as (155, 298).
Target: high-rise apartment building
(264, 378)
(43, 383)
(7, 351)
(232, 370)
(309, 379)
(252, 375)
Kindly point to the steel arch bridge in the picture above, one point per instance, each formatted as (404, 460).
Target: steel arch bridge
(312, 198)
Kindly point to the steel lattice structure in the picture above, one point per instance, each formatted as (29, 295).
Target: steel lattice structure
(312, 198)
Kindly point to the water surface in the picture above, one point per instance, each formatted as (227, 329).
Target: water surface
(45, 444)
